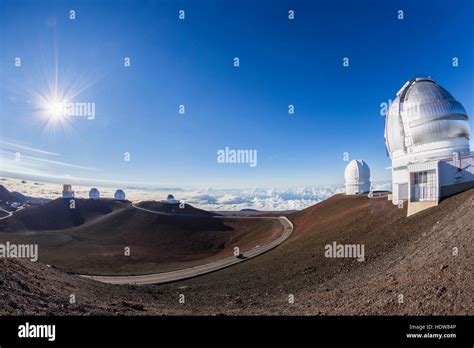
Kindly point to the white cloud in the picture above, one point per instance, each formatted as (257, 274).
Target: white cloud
(21, 161)
(11, 146)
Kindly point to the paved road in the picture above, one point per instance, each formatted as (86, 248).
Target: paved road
(167, 277)
(9, 213)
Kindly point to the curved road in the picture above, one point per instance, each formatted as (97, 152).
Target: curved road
(9, 213)
(172, 276)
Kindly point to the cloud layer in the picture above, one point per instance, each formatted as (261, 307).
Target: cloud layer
(272, 199)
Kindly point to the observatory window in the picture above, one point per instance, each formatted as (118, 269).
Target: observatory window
(424, 186)
(419, 178)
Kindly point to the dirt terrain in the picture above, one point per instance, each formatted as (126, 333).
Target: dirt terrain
(57, 215)
(175, 208)
(413, 257)
(6, 196)
(107, 237)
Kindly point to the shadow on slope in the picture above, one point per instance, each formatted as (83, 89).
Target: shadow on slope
(132, 241)
(58, 215)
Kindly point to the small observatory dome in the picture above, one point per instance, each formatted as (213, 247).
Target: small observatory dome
(119, 195)
(357, 175)
(170, 200)
(94, 193)
(426, 121)
(68, 191)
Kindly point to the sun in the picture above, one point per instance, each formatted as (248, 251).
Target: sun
(51, 95)
(55, 110)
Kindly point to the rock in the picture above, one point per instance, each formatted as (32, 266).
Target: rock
(136, 306)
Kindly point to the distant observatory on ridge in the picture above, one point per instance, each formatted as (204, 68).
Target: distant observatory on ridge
(357, 176)
(119, 195)
(427, 137)
(170, 200)
(94, 193)
(67, 191)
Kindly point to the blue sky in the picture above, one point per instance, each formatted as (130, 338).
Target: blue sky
(190, 62)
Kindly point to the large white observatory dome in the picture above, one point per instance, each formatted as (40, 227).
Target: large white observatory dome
(357, 175)
(94, 193)
(425, 121)
(119, 195)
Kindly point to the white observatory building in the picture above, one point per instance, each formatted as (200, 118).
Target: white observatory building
(427, 137)
(67, 191)
(357, 175)
(119, 195)
(170, 200)
(94, 194)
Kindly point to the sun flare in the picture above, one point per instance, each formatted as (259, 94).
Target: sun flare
(54, 113)
(56, 110)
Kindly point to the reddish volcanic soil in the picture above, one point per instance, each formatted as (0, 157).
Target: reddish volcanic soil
(157, 243)
(57, 215)
(175, 208)
(411, 256)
